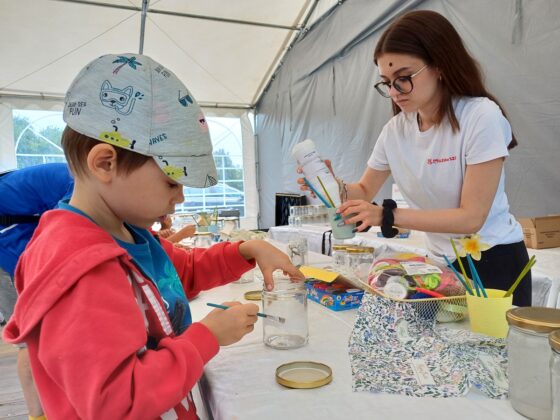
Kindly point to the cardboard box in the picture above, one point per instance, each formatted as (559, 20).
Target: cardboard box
(334, 296)
(541, 232)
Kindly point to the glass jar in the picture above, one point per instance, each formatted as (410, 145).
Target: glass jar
(297, 250)
(352, 255)
(203, 239)
(339, 255)
(554, 340)
(288, 300)
(247, 277)
(364, 261)
(529, 357)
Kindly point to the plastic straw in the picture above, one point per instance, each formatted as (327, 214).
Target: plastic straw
(467, 288)
(460, 262)
(475, 275)
(326, 192)
(319, 196)
(525, 270)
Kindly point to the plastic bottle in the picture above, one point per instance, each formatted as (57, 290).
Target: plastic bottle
(313, 167)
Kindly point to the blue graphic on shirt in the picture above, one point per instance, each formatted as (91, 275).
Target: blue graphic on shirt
(149, 256)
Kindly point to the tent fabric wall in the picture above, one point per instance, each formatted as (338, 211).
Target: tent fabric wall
(324, 91)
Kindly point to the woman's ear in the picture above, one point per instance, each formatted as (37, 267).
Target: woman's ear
(102, 162)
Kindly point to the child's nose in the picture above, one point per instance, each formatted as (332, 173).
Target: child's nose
(180, 197)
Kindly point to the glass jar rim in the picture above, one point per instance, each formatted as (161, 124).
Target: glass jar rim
(285, 286)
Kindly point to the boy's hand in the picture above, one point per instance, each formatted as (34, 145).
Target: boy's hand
(269, 258)
(230, 325)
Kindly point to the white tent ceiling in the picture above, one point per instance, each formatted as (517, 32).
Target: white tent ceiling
(225, 51)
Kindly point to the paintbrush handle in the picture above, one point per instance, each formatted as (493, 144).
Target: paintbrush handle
(475, 275)
(461, 263)
(319, 196)
(215, 305)
(467, 288)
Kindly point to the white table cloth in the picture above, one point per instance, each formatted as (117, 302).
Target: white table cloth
(239, 383)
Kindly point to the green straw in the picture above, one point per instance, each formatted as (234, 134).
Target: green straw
(326, 192)
(525, 270)
(460, 263)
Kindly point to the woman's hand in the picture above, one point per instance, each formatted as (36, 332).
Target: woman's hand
(269, 258)
(303, 186)
(361, 211)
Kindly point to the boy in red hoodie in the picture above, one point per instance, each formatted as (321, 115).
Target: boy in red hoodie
(103, 304)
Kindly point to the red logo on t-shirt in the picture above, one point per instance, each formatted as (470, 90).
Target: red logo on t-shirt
(441, 160)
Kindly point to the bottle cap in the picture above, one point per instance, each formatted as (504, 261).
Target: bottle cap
(303, 146)
(253, 295)
(537, 319)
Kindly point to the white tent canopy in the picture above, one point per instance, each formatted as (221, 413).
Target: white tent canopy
(225, 51)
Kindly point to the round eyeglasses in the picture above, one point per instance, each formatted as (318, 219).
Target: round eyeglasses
(402, 83)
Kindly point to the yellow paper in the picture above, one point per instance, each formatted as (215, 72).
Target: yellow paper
(318, 273)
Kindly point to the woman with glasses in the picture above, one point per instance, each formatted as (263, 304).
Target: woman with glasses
(445, 148)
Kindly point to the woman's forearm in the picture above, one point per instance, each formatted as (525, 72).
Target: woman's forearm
(459, 220)
(371, 182)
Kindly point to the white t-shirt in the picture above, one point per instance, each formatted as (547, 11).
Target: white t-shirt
(429, 167)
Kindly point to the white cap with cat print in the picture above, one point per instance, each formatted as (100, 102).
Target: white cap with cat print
(133, 102)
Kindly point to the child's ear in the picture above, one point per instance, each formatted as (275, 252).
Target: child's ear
(102, 162)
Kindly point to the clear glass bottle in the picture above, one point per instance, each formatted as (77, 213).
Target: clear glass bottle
(339, 255)
(554, 340)
(314, 168)
(288, 300)
(529, 358)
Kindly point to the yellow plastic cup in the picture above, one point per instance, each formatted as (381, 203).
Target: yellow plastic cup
(488, 315)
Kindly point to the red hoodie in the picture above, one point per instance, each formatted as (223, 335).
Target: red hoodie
(85, 312)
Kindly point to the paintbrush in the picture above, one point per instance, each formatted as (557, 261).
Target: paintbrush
(278, 319)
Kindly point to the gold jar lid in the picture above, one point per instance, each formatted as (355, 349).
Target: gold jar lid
(339, 247)
(354, 250)
(203, 233)
(554, 340)
(536, 319)
(253, 295)
(303, 375)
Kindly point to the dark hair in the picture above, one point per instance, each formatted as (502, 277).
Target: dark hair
(431, 37)
(76, 147)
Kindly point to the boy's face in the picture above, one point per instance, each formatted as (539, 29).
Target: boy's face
(144, 195)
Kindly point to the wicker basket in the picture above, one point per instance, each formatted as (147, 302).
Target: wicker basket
(447, 309)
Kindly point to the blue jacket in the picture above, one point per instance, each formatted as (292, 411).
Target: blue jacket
(29, 191)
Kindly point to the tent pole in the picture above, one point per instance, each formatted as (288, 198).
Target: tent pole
(143, 25)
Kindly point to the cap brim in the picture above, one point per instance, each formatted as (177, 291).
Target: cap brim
(191, 171)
